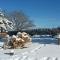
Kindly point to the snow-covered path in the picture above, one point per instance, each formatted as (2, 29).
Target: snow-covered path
(34, 52)
(38, 50)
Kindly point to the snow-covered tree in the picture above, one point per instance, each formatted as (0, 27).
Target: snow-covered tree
(15, 20)
(5, 23)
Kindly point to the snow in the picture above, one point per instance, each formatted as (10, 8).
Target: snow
(42, 36)
(57, 36)
(1, 43)
(36, 51)
(5, 23)
(36, 36)
(9, 25)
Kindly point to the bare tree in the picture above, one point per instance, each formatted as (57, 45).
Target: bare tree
(21, 20)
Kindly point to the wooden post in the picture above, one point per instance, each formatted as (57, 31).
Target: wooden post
(1, 29)
(58, 41)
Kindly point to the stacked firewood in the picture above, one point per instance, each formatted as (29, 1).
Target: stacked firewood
(20, 40)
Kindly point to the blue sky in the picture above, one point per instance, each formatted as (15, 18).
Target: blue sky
(44, 13)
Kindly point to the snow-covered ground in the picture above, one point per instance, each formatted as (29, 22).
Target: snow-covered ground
(38, 50)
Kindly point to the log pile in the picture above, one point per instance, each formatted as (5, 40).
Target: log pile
(21, 40)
